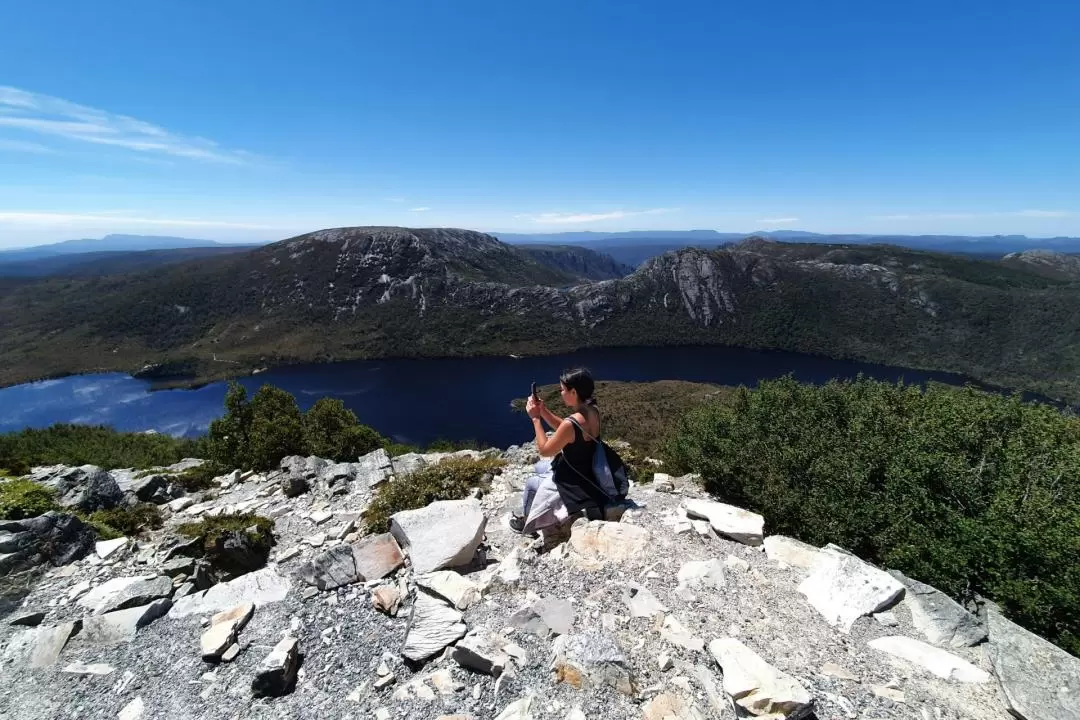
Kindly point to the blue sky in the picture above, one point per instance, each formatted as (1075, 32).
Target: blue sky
(241, 121)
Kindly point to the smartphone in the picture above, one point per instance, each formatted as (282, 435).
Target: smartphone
(534, 394)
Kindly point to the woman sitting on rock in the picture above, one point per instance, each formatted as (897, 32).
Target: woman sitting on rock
(572, 447)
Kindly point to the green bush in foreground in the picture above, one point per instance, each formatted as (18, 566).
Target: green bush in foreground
(90, 445)
(971, 492)
(451, 479)
(128, 521)
(22, 499)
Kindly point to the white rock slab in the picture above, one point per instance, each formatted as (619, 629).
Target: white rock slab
(432, 626)
(444, 534)
(843, 588)
(933, 659)
(755, 685)
(260, 587)
(105, 548)
(727, 520)
(1040, 681)
(789, 551)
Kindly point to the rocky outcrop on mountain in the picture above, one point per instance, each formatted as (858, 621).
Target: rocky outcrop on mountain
(1047, 262)
(640, 618)
(53, 538)
(87, 488)
(576, 261)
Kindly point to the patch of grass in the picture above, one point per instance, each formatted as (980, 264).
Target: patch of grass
(645, 415)
(129, 521)
(214, 534)
(22, 499)
(451, 479)
(200, 477)
(67, 444)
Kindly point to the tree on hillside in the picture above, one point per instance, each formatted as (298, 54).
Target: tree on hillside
(276, 428)
(332, 431)
(227, 438)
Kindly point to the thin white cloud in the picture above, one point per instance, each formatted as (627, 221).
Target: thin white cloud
(24, 146)
(395, 199)
(975, 216)
(107, 218)
(779, 221)
(419, 209)
(554, 218)
(47, 116)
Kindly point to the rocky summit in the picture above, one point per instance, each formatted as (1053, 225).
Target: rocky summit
(684, 609)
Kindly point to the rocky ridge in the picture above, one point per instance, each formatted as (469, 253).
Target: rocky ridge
(686, 608)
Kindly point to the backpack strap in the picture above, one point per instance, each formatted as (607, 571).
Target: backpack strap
(584, 432)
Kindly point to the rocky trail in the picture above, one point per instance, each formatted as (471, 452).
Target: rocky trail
(684, 609)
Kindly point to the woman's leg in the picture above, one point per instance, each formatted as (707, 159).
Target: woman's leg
(527, 495)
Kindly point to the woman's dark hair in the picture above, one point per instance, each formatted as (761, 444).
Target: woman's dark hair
(580, 380)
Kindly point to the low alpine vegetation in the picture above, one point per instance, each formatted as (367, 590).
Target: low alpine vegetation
(233, 544)
(974, 493)
(451, 479)
(21, 499)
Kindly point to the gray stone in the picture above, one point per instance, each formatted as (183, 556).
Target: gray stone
(369, 559)
(293, 485)
(545, 616)
(87, 488)
(482, 651)
(702, 573)
(519, 709)
(1040, 681)
(125, 592)
(755, 685)
(122, 625)
(277, 673)
(29, 618)
(790, 551)
(374, 468)
(641, 602)
(179, 566)
(608, 541)
(674, 632)
(134, 710)
(106, 548)
(933, 659)
(940, 619)
(260, 587)
(139, 486)
(727, 520)
(53, 538)
(224, 627)
(39, 647)
(843, 588)
(386, 599)
(591, 659)
(432, 626)
(461, 592)
(444, 534)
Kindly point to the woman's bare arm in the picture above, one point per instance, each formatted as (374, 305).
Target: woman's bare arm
(552, 446)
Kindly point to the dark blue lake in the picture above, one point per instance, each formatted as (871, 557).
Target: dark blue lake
(416, 401)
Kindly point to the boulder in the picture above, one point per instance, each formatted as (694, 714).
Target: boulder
(843, 588)
(940, 619)
(139, 486)
(39, 647)
(444, 534)
(432, 626)
(125, 592)
(87, 488)
(277, 673)
(54, 538)
(260, 587)
(600, 540)
(482, 651)
(1039, 680)
(224, 627)
(727, 520)
(935, 660)
(122, 625)
(369, 559)
(26, 618)
(377, 556)
(233, 553)
(591, 659)
(293, 485)
(674, 632)
(374, 469)
(447, 584)
(790, 551)
(134, 710)
(756, 686)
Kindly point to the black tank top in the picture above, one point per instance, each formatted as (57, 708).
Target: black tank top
(573, 474)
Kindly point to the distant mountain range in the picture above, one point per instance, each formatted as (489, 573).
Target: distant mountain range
(394, 292)
(634, 248)
(109, 243)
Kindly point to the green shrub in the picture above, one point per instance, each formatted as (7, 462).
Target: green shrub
(129, 521)
(451, 479)
(214, 534)
(227, 441)
(199, 478)
(22, 499)
(971, 492)
(90, 445)
(332, 431)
